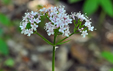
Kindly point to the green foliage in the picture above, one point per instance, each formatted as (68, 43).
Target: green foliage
(3, 47)
(90, 6)
(1, 70)
(73, 1)
(111, 69)
(28, 26)
(9, 62)
(1, 32)
(108, 56)
(4, 19)
(107, 6)
(6, 1)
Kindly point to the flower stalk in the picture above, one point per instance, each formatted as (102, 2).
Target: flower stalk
(58, 24)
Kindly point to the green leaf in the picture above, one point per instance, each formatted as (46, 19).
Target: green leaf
(6, 1)
(4, 19)
(107, 6)
(3, 47)
(1, 32)
(108, 56)
(111, 69)
(9, 62)
(73, 1)
(1, 70)
(28, 26)
(90, 6)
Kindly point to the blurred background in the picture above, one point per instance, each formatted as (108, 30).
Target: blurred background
(21, 53)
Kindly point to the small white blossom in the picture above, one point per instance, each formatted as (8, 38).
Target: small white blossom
(84, 33)
(34, 26)
(87, 23)
(91, 28)
(29, 32)
(80, 16)
(73, 15)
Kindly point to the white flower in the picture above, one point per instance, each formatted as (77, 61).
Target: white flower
(84, 33)
(30, 18)
(29, 32)
(91, 28)
(34, 26)
(50, 31)
(23, 25)
(37, 20)
(87, 23)
(59, 19)
(80, 16)
(66, 33)
(34, 13)
(73, 15)
(62, 29)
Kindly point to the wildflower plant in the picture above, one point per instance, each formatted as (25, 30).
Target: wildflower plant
(58, 24)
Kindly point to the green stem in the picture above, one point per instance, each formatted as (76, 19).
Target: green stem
(47, 41)
(65, 38)
(53, 57)
(101, 20)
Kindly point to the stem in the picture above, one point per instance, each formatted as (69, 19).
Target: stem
(47, 41)
(101, 19)
(65, 38)
(53, 57)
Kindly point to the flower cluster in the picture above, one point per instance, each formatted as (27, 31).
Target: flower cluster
(30, 23)
(59, 19)
(87, 24)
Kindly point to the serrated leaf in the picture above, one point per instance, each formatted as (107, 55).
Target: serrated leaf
(3, 47)
(108, 56)
(90, 6)
(9, 62)
(4, 19)
(107, 6)
(73, 1)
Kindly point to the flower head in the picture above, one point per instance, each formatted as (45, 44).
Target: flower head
(29, 23)
(59, 19)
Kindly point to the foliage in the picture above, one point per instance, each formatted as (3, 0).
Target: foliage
(9, 62)
(3, 47)
(6, 2)
(1, 32)
(91, 6)
(108, 56)
(111, 69)
(73, 1)
(107, 6)
(4, 19)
